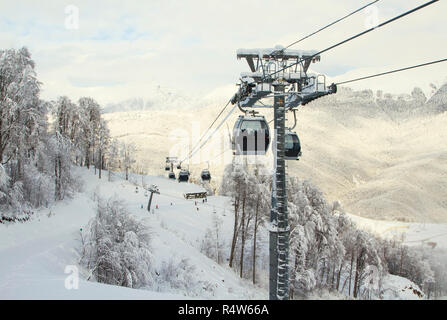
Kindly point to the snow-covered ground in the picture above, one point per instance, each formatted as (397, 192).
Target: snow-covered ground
(34, 255)
(429, 234)
(398, 288)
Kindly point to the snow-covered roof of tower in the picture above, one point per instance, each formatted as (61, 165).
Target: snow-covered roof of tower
(268, 52)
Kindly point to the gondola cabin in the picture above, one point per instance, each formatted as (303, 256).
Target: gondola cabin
(167, 167)
(172, 175)
(205, 175)
(251, 136)
(292, 146)
(183, 176)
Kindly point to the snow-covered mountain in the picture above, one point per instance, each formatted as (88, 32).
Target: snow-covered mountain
(438, 102)
(155, 98)
(381, 155)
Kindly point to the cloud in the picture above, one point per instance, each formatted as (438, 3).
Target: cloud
(123, 48)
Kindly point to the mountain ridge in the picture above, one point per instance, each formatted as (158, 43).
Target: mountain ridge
(355, 144)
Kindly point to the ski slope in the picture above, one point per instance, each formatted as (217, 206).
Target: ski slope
(34, 255)
(429, 234)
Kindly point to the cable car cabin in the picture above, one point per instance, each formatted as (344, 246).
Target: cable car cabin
(251, 136)
(172, 175)
(183, 176)
(206, 176)
(292, 146)
(167, 168)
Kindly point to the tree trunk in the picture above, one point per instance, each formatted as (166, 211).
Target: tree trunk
(57, 177)
(19, 167)
(401, 260)
(56, 181)
(242, 238)
(350, 272)
(333, 278)
(339, 275)
(100, 164)
(87, 157)
(358, 270)
(60, 179)
(254, 241)
(235, 231)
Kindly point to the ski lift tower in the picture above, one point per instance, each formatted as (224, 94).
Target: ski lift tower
(171, 161)
(152, 189)
(281, 74)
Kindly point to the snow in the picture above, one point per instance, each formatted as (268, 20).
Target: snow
(269, 51)
(399, 165)
(398, 288)
(378, 167)
(34, 255)
(433, 234)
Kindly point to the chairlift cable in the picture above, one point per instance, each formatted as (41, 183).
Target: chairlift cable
(331, 24)
(195, 149)
(306, 37)
(355, 36)
(209, 128)
(212, 134)
(392, 71)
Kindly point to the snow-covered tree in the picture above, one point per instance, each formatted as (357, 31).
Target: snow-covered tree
(23, 134)
(63, 145)
(116, 247)
(19, 101)
(234, 184)
(91, 115)
(250, 189)
(212, 245)
(127, 152)
(414, 263)
(102, 144)
(113, 157)
(315, 246)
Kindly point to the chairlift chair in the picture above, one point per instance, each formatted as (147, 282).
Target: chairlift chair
(251, 136)
(206, 176)
(292, 146)
(183, 176)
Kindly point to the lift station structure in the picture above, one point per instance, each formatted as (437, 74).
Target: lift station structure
(282, 75)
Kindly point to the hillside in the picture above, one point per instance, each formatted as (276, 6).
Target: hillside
(34, 255)
(383, 156)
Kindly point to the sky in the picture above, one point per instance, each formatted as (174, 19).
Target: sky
(117, 50)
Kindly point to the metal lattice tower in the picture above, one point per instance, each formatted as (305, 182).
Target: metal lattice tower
(279, 229)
